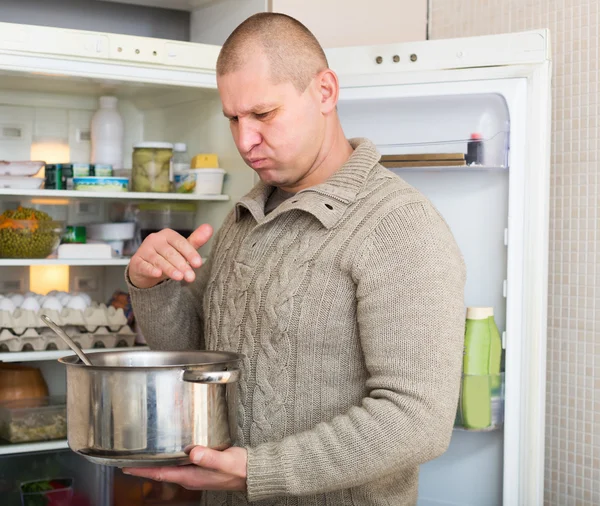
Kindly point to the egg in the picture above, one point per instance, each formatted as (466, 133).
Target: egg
(7, 305)
(52, 293)
(52, 303)
(77, 302)
(30, 294)
(86, 297)
(17, 299)
(64, 299)
(30, 304)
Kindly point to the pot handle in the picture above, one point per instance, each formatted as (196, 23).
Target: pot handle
(192, 376)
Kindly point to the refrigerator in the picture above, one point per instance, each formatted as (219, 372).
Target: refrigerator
(421, 97)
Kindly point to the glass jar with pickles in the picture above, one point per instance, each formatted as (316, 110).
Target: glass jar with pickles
(152, 169)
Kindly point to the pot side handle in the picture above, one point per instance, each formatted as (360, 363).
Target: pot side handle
(192, 376)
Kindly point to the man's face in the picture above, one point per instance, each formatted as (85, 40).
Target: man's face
(277, 129)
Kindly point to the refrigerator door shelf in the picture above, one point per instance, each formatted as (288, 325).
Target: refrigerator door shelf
(470, 154)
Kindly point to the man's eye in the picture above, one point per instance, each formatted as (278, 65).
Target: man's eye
(233, 119)
(263, 115)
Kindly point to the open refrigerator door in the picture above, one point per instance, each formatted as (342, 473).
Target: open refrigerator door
(466, 122)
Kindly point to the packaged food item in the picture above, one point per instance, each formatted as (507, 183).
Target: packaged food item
(152, 167)
(21, 169)
(48, 492)
(205, 161)
(54, 177)
(28, 233)
(75, 234)
(208, 181)
(101, 184)
(154, 216)
(59, 176)
(111, 231)
(30, 183)
(79, 169)
(482, 379)
(475, 150)
(28, 420)
(185, 181)
(107, 133)
(101, 170)
(181, 162)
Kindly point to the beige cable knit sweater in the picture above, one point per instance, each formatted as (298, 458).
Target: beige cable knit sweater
(347, 301)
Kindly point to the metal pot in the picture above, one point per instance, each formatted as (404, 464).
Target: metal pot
(148, 408)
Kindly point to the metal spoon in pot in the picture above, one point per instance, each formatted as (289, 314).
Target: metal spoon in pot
(63, 335)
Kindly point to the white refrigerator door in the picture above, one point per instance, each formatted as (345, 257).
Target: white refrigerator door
(500, 219)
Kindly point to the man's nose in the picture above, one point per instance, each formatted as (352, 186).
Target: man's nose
(248, 136)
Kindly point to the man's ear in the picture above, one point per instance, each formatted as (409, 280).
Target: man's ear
(329, 89)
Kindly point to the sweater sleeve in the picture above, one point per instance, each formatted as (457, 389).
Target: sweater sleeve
(413, 354)
(170, 314)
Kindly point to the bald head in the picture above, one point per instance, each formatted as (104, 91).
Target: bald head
(293, 52)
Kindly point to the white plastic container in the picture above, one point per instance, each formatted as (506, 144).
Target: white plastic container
(24, 168)
(209, 181)
(29, 183)
(107, 134)
(111, 231)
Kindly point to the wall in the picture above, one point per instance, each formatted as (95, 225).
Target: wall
(335, 23)
(212, 23)
(98, 16)
(339, 23)
(573, 388)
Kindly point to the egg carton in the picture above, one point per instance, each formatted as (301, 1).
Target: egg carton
(89, 319)
(45, 339)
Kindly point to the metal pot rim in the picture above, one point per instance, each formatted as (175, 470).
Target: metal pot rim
(226, 360)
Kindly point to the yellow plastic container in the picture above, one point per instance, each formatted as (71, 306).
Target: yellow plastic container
(205, 161)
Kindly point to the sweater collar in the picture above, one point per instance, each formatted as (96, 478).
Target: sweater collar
(326, 201)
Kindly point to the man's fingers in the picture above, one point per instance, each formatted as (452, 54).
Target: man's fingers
(200, 236)
(230, 461)
(190, 477)
(183, 248)
(147, 268)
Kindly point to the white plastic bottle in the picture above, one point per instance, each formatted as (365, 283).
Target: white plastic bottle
(181, 162)
(107, 134)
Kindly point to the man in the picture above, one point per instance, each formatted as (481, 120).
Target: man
(339, 282)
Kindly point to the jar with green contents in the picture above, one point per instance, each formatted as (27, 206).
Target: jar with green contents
(152, 167)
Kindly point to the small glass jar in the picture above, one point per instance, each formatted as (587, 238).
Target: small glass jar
(152, 169)
(154, 216)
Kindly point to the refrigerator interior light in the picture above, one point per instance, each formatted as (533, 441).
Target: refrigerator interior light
(45, 278)
(50, 151)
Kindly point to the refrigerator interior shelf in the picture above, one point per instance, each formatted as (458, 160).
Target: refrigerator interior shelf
(479, 153)
(88, 262)
(39, 446)
(450, 168)
(77, 194)
(47, 355)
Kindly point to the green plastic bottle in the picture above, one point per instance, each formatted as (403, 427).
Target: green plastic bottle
(481, 368)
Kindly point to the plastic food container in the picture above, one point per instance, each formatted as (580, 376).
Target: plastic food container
(481, 402)
(50, 492)
(101, 184)
(33, 419)
(25, 168)
(29, 183)
(209, 181)
(111, 231)
(152, 167)
(179, 216)
(185, 181)
(29, 238)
